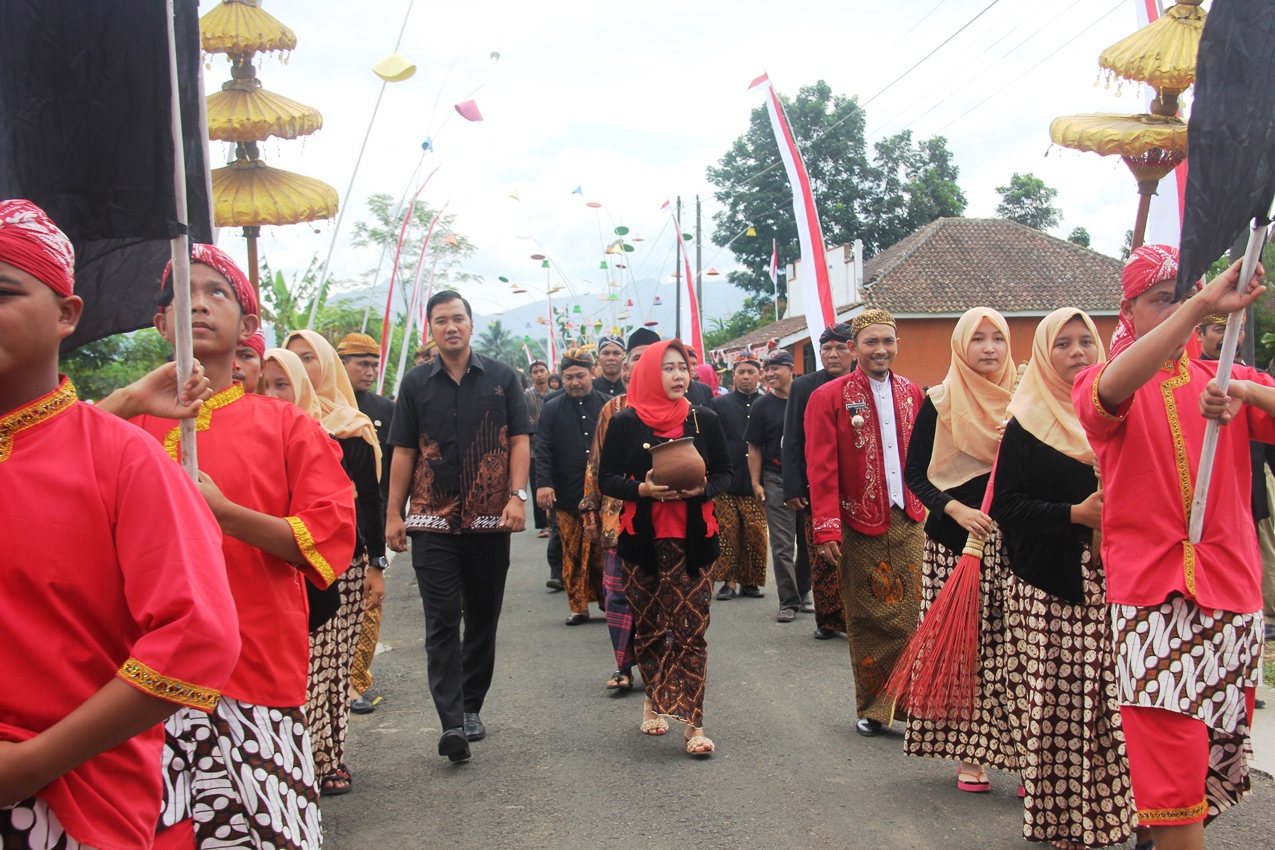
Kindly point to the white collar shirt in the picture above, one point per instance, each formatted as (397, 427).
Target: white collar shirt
(883, 395)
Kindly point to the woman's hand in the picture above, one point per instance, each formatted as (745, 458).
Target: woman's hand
(698, 491)
(1089, 512)
(658, 492)
(972, 520)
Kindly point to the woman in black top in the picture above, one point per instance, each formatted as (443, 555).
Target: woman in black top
(1049, 504)
(954, 442)
(668, 538)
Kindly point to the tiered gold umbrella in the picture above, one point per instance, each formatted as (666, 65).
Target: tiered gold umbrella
(1161, 54)
(248, 193)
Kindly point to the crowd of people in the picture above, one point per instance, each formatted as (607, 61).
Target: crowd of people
(193, 650)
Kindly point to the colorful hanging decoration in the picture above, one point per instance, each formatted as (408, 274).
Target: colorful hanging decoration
(697, 335)
(469, 111)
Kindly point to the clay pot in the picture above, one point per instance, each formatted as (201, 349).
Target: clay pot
(677, 464)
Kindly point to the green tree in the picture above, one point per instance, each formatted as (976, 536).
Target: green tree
(1127, 248)
(496, 341)
(103, 366)
(1027, 200)
(1080, 237)
(903, 187)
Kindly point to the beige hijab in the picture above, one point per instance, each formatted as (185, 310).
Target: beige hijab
(970, 407)
(1042, 403)
(303, 393)
(341, 414)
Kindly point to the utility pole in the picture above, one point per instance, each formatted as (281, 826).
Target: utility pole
(699, 266)
(677, 270)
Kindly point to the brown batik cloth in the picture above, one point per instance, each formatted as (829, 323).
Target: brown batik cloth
(32, 825)
(741, 527)
(581, 562)
(986, 738)
(332, 645)
(881, 591)
(670, 618)
(825, 583)
(1199, 663)
(361, 679)
(243, 775)
(1068, 732)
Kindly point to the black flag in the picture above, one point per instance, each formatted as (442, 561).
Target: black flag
(86, 133)
(1231, 134)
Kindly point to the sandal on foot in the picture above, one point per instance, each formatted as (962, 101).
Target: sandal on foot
(335, 785)
(654, 726)
(973, 782)
(700, 745)
(620, 681)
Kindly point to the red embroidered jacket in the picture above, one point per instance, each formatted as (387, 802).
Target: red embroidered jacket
(845, 464)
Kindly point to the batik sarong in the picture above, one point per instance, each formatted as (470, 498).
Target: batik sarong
(741, 528)
(670, 618)
(361, 679)
(881, 590)
(825, 583)
(1201, 664)
(32, 825)
(581, 562)
(332, 645)
(1070, 745)
(243, 775)
(619, 615)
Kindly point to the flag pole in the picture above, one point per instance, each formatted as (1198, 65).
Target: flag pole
(180, 247)
(1256, 240)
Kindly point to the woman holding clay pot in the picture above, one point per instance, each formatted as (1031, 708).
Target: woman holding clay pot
(668, 537)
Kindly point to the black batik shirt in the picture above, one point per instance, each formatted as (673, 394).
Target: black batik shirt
(734, 410)
(766, 429)
(461, 481)
(610, 389)
(563, 444)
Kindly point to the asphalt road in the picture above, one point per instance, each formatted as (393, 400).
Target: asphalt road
(564, 766)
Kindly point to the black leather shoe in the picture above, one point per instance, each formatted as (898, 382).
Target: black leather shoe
(825, 634)
(362, 706)
(454, 744)
(752, 591)
(474, 728)
(577, 619)
(555, 584)
(867, 727)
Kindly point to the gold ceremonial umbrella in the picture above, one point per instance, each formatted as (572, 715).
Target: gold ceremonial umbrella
(242, 26)
(248, 193)
(1151, 145)
(245, 112)
(1161, 54)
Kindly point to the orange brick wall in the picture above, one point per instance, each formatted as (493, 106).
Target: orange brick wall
(925, 345)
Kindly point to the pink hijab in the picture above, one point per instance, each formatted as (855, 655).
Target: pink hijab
(708, 377)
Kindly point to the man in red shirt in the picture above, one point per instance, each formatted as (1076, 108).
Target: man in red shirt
(1187, 617)
(244, 777)
(114, 606)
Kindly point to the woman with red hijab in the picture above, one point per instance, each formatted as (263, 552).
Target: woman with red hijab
(668, 538)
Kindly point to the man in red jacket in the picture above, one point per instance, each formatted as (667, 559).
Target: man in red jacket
(865, 520)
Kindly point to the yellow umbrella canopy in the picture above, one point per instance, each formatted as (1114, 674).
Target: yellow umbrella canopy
(1161, 54)
(1110, 134)
(245, 112)
(242, 26)
(248, 192)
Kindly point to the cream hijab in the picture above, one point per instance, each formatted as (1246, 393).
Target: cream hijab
(303, 393)
(1042, 403)
(341, 414)
(970, 407)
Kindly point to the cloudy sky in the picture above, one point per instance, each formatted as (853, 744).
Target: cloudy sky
(633, 101)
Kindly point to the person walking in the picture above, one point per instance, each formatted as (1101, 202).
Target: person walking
(740, 515)
(460, 438)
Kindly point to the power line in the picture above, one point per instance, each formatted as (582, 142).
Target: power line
(924, 18)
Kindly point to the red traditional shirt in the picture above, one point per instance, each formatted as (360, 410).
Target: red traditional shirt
(1148, 452)
(270, 456)
(111, 566)
(845, 464)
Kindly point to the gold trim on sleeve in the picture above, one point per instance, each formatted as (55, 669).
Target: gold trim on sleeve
(1190, 813)
(1097, 402)
(150, 681)
(30, 415)
(1173, 382)
(305, 542)
(203, 419)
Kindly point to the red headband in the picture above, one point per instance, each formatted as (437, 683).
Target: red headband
(257, 342)
(220, 261)
(30, 241)
(1147, 266)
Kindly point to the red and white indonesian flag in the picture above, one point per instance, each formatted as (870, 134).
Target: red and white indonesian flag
(774, 265)
(697, 335)
(816, 293)
(1164, 221)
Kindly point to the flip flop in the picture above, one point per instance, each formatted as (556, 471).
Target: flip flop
(971, 783)
(620, 681)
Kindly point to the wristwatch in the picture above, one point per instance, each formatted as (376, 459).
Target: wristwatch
(382, 563)
(521, 494)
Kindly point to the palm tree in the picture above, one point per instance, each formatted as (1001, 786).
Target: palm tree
(499, 343)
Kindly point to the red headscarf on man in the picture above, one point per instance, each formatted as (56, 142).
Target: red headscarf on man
(1147, 266)
(31, 242)
(220, 261)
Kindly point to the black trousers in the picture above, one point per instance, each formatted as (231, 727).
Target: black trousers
(460, 575)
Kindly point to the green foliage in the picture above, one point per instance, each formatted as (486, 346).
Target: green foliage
(1027, 200)
(496, 341)
(722, 331)
(1127, 248)
(903, 187)
(98, 368)
(1080, 237)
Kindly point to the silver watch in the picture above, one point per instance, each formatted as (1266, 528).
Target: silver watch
(521, 494)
